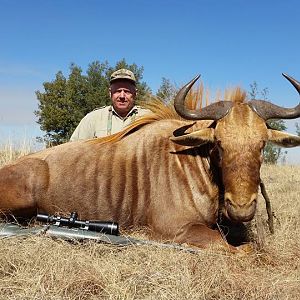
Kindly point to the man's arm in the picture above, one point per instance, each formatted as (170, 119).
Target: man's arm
(83, 131)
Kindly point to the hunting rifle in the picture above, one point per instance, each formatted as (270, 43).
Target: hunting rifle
(73, 222)
(71, 229)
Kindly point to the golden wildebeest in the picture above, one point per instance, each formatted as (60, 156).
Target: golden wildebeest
(169, 174)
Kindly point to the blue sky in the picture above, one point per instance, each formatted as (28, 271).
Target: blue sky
(230, 43)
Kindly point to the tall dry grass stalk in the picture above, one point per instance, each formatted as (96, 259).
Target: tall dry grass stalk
(9, 151)
(43, 268)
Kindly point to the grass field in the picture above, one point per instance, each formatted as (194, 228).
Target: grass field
(43, 268)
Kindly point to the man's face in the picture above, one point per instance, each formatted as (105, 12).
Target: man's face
(122, 94)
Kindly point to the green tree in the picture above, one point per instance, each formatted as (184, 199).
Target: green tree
(65, 101)
(98, 86)
(167, 91)
(53, 107)
(272, 153)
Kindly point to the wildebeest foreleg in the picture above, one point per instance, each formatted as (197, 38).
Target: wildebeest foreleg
(201, 236)
(21, 185)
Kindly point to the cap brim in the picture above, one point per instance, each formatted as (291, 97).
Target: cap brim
(123, 78)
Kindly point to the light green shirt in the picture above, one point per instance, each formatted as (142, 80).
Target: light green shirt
(105, 121)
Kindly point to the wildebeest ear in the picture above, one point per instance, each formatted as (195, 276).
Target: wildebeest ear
(283, 139)
(195, 138)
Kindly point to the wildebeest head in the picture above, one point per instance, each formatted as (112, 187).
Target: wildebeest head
(240, 133)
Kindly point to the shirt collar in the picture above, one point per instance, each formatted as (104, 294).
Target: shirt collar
(134, 110)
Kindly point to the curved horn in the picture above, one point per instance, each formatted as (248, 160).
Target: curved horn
(214, 111)
(267, 110)
(293, 81)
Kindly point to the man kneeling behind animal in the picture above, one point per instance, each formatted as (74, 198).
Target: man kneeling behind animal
(111, 119)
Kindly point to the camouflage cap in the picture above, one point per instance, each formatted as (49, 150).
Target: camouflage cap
(122, 74)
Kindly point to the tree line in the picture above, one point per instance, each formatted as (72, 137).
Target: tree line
(66, 100)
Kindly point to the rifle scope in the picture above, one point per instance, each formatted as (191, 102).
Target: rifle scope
(72, 221)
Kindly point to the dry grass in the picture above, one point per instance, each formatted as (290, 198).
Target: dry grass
(9, 151)
(43, 268)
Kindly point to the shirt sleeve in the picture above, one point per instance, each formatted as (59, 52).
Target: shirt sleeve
(83, 131)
